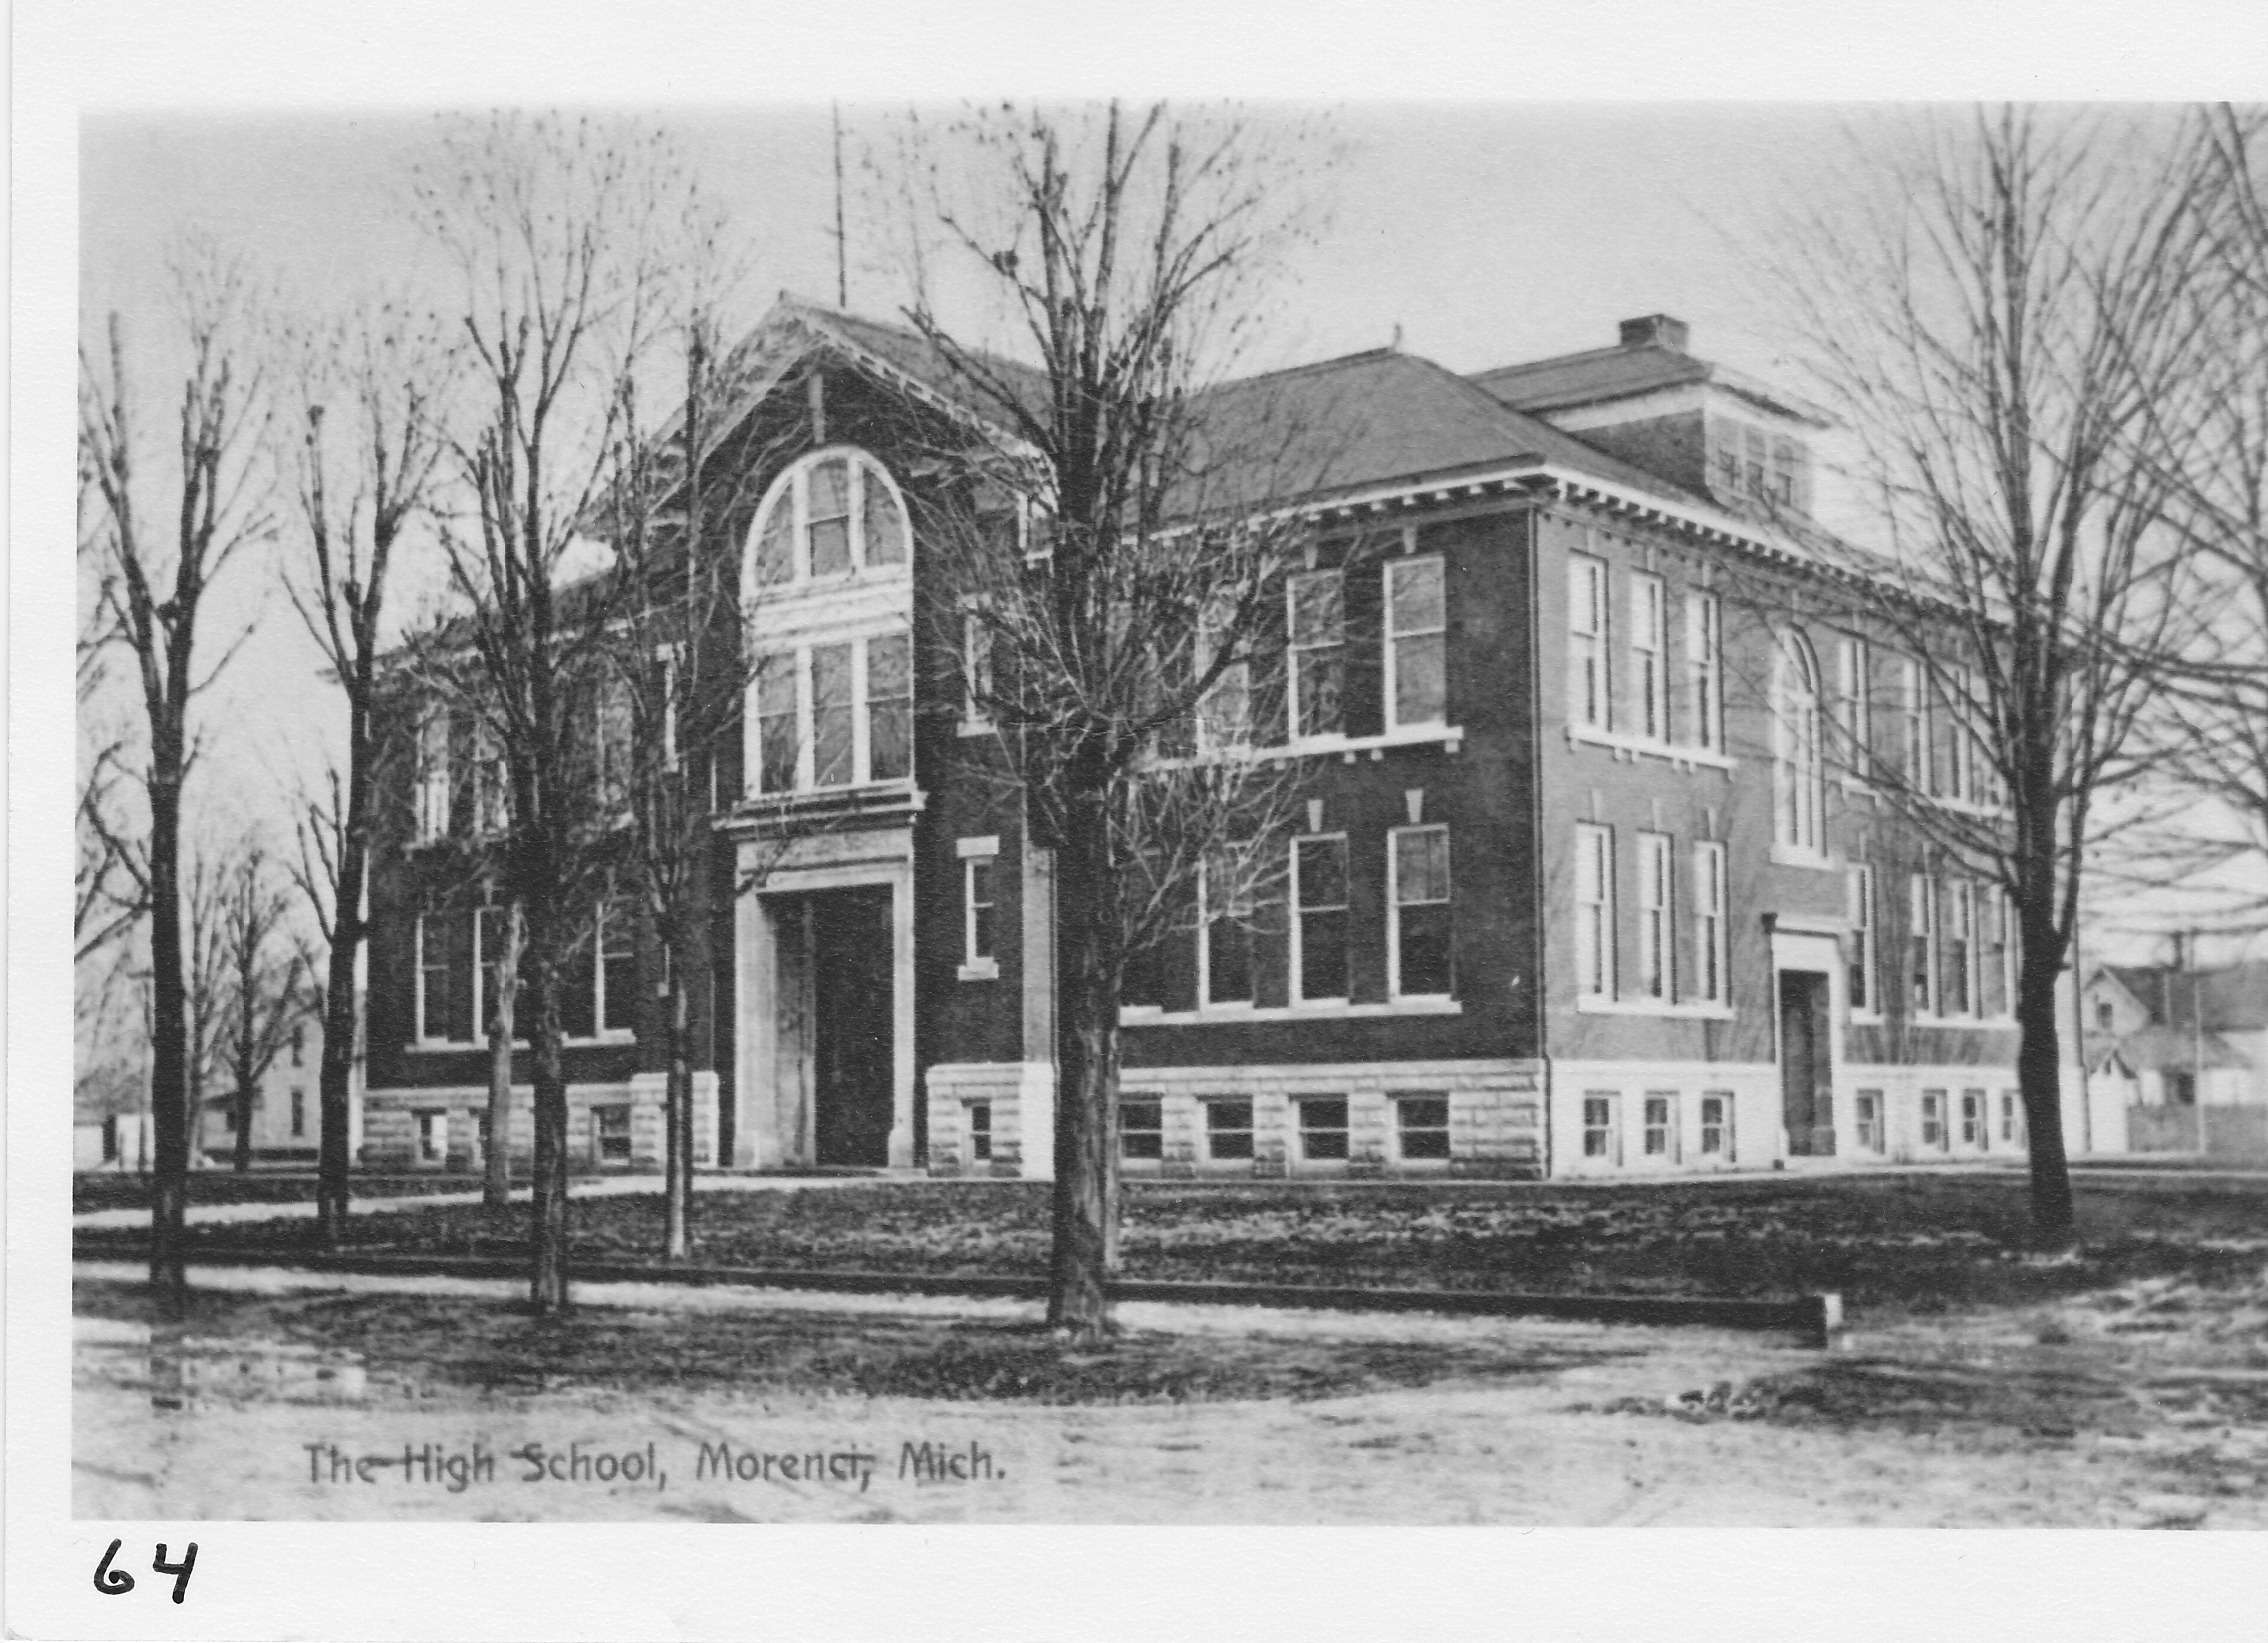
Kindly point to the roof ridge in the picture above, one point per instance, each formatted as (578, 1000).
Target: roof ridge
(1594, 353)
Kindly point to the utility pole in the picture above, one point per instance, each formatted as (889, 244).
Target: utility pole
(841, 245)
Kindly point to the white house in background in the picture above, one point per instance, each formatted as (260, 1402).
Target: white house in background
(2180, 1056)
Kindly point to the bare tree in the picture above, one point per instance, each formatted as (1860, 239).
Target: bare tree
(212, 506)
(364, 455)
(557, 232)
(262, 996)
(2210, 450)
(1116, 611)
(1997, 331)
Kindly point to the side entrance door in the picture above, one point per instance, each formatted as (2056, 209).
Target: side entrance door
(851, 958)
(1807, 1081)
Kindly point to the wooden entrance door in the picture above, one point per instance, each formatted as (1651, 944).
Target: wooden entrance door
(852, 1063)
(1807, 1081)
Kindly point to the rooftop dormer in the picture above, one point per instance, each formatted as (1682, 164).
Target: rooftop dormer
(1694, 422)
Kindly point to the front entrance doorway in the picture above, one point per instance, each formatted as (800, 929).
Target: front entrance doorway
(848, 936)
(1807, 1070)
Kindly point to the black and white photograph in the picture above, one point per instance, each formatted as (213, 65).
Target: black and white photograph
(1054, 807)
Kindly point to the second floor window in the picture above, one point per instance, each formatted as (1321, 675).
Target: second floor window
(1853, 706)
(1799, 777)
(1416, 626)
(832, 513)
(1655, 979)
(834, 715)
(433, 772)
(1225, 715)
(1225, 951)
(1921, 940)
(1711, 982)
(1586, 641)
(1959, 969)
(1861, 966)
(1704, 622)
(1318, 628)
(1649, 657)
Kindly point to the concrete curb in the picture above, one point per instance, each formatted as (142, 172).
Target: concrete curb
(1815, 1319)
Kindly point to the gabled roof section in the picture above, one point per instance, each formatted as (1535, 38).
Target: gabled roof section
(2233, 998)
(1599, 374)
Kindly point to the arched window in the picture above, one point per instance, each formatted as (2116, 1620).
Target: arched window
(835, 512)
(1800, 788)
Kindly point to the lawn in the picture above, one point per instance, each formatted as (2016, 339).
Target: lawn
(1921, 1244)
(111, 1190)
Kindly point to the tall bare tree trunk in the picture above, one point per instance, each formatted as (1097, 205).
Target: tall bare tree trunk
(169, 1081)
(495, 1186)
(1087, 922)
(246, 1092)
(677, 1162)
(548, 1291)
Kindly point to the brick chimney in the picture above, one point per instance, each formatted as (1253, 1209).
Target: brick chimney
(1656, 328)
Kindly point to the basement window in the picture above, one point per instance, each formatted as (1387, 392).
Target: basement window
(1323, 1130)
(1228, 1130)
(1141, 1130)
(980, 1131)
(1421, 1124)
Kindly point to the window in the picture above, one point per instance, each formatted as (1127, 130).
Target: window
(1866, 1120)
(1141, 1128)
(1922, 941)
(1649, 656)
(1319, 919)
(610, 1127)
(432, 1133)
(1728, 458)
(1586, 641)
(1854, 713)
(1323, 1130)
(2001, 959)
(1658, 1138)
(298, 1112)
(617, 938)
(1972, 1118)
(610, 743)
(2012, 1118)
(2105, 1015)
(1601, 1140)
(980, 1131)
(1417, 624)
(1711, 981)
(976, 669)
(1785, 462)
(1594, 910)
(832, 513)
(1948, 748)
(1717, 1124)
(1913, 701)
(1418, 931)
(1956, 976)
(834, 715)
(1228, 1129)
(1705, 668)
(1421, 1127)
(2181, 1088)
(299, 1046)
(1862, 969)
(443, 992)
(1225, 953)
(1799, 787)
(1933, 1120)
(1318, 674)
(1656, 964)
(980, 911)
(1754, 449)
(1225, 715)
(433, 773)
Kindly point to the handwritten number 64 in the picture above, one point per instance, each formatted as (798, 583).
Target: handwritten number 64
(115, 1582)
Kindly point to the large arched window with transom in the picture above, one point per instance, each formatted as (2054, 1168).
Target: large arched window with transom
(834, 513)
(1801, 779)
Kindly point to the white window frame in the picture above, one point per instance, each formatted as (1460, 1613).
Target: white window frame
(1657, 942)
(2004, 915)
(1921, 926)
(792, 488)
(1589, 700)
(1711, 956)
(1961, 907)
(1723, 1126)
(1670, 1151)
(1446, 1129)
(1865, 1003)
(1799, 767)
(1594, 910)
(1298, 964)
(1206, 1106)
(1610, 1153)
(1396, 638)
(1939, 1101)
(433, 722)
(1301, 1130)
(420, 989)
(1220, 730)
(975, 670)
(1870, 1134)
(807, 754)
(1393, 905)
(601, 1032)
(1981, 1140)
(1649, 656)
(1705, 668)
(1913, 705)
(1248, 908)
(1297, 648)
(432, 1122)
(481, 977)
(1854, 707)
(978, 854)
